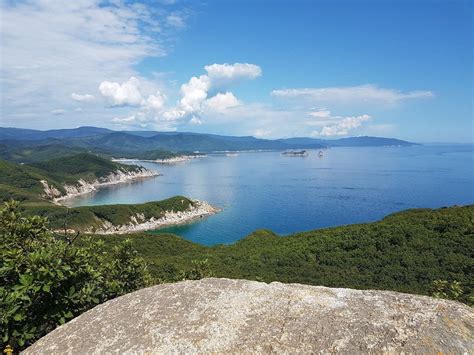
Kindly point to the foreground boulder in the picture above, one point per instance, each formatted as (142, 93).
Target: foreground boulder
(222, 315)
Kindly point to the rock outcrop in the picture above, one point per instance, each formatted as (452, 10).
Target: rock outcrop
(222, 315)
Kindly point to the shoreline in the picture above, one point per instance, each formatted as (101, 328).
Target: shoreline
(178, 159)
(138, 223)
(83, 187)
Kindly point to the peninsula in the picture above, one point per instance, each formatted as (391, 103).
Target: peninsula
(42, 188)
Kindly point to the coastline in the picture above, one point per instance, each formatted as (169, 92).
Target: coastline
(138, 222)
(178, 159)
(84, 187)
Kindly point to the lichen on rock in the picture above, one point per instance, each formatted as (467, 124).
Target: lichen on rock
(222, 315)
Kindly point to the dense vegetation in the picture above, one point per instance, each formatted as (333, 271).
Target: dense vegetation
(46, 279)
(22, 182)
(405, 252)
(33, 153)
(80, 166)
(37, 152)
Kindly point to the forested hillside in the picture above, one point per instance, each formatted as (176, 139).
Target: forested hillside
(22, 182)
(405, 252)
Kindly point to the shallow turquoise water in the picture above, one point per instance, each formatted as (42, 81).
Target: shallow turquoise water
(291, 194)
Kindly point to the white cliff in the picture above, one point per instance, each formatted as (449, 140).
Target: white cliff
(174, 160)
(84, 187)
(138, 222)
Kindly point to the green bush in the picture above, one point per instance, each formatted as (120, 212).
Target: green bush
(448, 290)
(46, 279)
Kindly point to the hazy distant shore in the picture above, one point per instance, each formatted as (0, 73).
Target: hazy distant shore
(178, 159)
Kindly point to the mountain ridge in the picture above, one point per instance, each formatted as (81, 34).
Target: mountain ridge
(117, 142)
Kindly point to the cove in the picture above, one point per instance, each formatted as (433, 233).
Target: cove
(293, 194)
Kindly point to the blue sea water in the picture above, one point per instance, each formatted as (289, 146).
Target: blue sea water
(292, 194)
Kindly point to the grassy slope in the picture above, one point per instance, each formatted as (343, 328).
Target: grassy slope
(22, 182)
(79, 218)
(403, 252)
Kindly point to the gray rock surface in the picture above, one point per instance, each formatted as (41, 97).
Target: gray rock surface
(222, 315)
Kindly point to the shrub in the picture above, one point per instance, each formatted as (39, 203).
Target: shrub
(47, 279)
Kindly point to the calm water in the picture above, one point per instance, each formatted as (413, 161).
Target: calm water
(290, 194)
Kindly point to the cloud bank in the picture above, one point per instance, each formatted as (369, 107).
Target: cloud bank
(193, 106)
(351, 94)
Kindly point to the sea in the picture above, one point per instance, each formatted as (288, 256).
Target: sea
(285, 194)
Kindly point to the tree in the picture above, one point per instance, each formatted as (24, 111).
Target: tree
(47, 279)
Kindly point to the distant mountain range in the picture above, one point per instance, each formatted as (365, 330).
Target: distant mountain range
(136, 143)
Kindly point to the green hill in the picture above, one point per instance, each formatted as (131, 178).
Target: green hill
(22, 182)
(34, 153)
(135, 144)
(80, 166)
(404, 252)
(31, 152)
(92, 217)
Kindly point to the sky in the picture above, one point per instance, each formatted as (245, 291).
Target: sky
(270, 69)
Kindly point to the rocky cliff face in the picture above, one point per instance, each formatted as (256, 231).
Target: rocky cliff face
(85, 187)
(221, 315)
(138, 222)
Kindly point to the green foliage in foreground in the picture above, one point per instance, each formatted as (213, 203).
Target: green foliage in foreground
(46, 280)
(404, 252)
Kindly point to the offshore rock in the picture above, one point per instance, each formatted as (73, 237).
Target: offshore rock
(222, 315)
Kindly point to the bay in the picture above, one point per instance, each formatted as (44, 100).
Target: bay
(292, 194)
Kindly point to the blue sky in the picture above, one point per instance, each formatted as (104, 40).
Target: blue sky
(270, 69)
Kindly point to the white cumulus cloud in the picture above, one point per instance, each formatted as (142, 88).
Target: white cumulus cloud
(127, 93)
(194, 93)
(221, 102)
(156, 102)
(195, 98)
